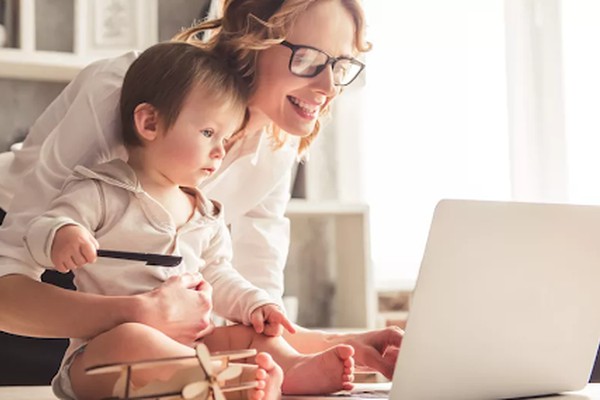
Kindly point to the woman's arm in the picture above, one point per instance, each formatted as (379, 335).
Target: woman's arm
(80, 128)
(234, 297)
(32, 308)
(261, 239)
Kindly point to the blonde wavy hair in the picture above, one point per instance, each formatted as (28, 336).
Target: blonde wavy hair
(247, 27)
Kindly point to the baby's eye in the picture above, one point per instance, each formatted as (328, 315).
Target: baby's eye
(208, 133)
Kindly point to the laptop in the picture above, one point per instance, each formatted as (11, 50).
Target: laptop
(507, 303)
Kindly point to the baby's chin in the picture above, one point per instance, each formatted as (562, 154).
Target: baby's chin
(201, 177)
(197, 183)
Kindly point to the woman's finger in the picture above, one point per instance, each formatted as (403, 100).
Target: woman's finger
(188, 280)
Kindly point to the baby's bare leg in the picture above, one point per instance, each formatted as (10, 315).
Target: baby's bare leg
(125, 343)
(132, 342)
(327, 371)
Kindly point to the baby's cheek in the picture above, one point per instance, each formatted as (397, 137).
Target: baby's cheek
(184, 155)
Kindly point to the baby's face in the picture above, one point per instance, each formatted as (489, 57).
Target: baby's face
(192, 149)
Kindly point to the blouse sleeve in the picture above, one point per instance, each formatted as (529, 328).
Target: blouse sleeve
(261, 241)
(235, 298)
(80, 128)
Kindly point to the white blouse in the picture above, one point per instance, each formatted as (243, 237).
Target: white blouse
(82, 127)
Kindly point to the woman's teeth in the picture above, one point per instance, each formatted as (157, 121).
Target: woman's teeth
(305, 107)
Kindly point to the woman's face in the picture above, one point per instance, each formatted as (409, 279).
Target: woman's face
(293, 103)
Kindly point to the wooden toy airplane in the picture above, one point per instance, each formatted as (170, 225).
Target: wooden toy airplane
(204, 383)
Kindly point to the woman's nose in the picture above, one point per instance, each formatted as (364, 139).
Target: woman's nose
(325, 82)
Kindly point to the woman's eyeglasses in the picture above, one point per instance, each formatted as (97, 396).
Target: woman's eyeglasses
(308, 62)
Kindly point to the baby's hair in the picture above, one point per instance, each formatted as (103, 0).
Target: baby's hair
(163, 76)
(249, 26)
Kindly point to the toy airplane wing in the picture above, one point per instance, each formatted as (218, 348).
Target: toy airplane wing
(200, 377)
(219, 357)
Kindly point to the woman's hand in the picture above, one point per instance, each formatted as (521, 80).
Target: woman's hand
(72, 247)
(180, 308)
(377, 349)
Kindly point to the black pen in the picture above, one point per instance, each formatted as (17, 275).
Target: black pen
(162, 260)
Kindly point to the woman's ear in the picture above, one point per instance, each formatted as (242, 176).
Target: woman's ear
(145, 118)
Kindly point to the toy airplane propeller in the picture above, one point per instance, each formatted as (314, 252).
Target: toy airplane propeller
(200, 377)
(199, 390)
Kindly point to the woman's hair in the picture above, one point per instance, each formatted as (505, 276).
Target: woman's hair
(163, 76)
(249, 26)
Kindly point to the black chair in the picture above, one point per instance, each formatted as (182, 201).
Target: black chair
(32, 361)
(595, 377)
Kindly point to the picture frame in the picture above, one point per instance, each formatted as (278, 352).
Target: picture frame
(3, 39)
(110, 27)
(7, 23)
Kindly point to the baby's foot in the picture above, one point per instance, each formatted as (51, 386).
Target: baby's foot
(321, 373)
(269, 376)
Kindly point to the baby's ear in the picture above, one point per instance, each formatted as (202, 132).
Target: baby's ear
(145, 117)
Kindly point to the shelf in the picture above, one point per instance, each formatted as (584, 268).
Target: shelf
(92, 40)
(311, 207)
(50, 66)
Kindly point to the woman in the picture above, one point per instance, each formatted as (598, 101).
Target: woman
(295, 67)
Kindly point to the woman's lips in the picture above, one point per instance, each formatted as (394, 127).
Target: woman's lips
(304, 109)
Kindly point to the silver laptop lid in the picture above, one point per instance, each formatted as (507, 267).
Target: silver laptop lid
(507, 302)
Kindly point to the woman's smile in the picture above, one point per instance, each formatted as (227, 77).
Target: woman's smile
(304, 109)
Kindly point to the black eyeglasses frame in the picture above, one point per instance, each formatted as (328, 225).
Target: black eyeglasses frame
(330, 61)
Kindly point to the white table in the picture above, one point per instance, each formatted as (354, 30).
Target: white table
(591, 392)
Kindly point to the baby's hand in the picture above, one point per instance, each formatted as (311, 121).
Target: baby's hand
(73, 247)
(270, 320)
